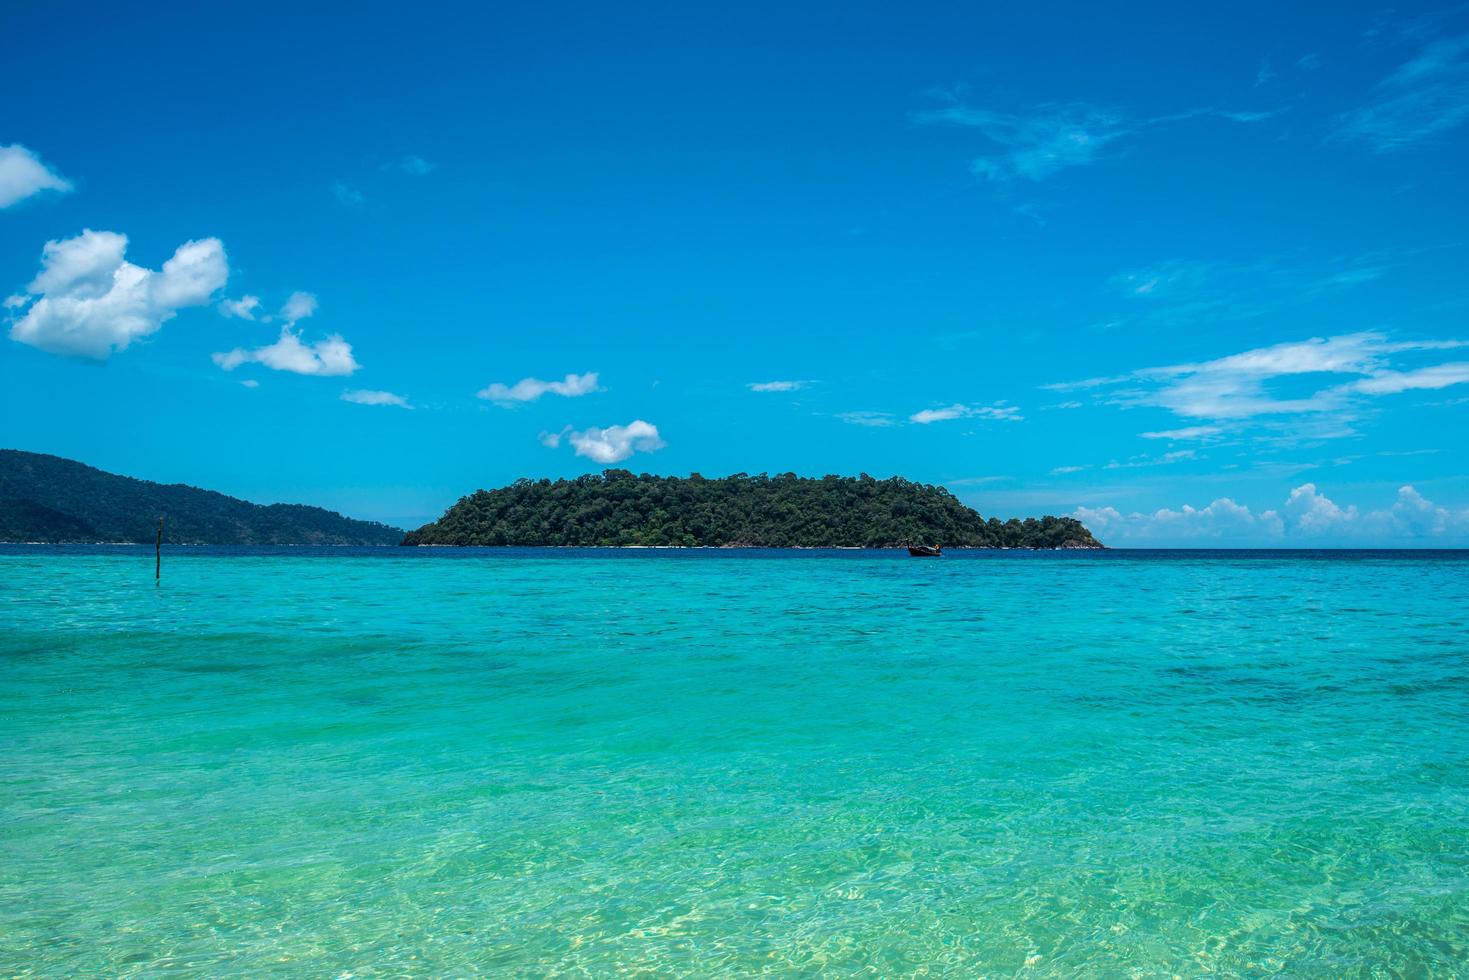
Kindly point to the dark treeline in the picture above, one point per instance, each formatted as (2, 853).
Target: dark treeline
(50, 499)
(783, 511)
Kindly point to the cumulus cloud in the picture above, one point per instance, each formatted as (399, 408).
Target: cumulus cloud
(331, 357)
(242, 309)
(610, 445)
(777, 385)
(1237, 387)
(1307, 518)
(999, 412)
(88, 300)
(22, 174)
(363, 396)
(1311, 511)
(530, 389)
(298, 306)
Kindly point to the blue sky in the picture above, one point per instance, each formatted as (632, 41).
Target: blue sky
(1197, 276)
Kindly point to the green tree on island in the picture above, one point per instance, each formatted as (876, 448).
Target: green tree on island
(618, 507)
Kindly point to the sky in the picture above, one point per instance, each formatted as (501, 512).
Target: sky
(1193, 274)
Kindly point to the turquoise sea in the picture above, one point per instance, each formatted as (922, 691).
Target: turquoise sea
(429, 762)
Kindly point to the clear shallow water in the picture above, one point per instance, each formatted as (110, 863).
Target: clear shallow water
(316, 763)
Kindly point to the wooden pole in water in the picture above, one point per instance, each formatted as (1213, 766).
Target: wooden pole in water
(158, 554)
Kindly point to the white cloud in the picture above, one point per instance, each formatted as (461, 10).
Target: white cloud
(331, 357)
(1038, 144)
(1159, 280)
(977, 481)
(22, 174)
(415, 165)
(1308, 518)
(242, 309)
(298, 306)
(1222, 519)
(1429, 378)
(777, 385)
(1235, 387)
(250, 383)
(529, 389)
(88, 300)
(876, 420)
(1313, 512)
(999, 411)
(1063, 470)
(363, 396)
(1178, 456)
(1189, 432)
(1425, 98)
(1049, 138)
(610, 445)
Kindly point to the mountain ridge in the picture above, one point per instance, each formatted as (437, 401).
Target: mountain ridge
(53, 500)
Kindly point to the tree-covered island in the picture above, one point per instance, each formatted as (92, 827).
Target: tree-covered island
(619, 508)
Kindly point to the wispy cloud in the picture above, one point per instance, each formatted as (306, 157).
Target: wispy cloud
(876, 420)
(1064, 470)
(998, 412)
(347, 195)
(1160, 280)
(530, 389)
(1423, 379)
(1178, 456)
(977, 481)
(1187, 292)
(1037, 144)
(1236, 387)
(1189, 432)
(23, 174)
(363, 396)
(1052, 137)
(1423, 99)
(416, 166)
(777, 385)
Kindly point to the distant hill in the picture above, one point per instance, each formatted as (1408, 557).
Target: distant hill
(618, 508)
(50, 499)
